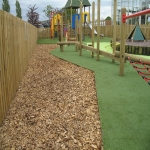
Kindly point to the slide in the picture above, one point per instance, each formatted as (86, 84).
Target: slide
(95, 32)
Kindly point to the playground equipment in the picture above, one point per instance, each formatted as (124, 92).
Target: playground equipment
(136, 43)
(75, 4)
(95, 32)
(55, 25)
(75, 27)
(118, 56)
(123, 27)
(85, 17)
(136, 34)
(143, 71)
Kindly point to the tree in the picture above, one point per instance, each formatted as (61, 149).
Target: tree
(18, 10)
(47, 10)
(108, 18)
(6, 6)
(33, 17)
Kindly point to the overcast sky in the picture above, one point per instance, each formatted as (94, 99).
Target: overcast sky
(41, 4)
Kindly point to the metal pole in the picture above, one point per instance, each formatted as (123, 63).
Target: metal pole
(124, 17)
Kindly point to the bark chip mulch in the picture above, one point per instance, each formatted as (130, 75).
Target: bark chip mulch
(55, 107)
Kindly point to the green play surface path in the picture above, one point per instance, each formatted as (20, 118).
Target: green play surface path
(124, 101)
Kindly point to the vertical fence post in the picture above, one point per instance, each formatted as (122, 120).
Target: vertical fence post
(122, 44)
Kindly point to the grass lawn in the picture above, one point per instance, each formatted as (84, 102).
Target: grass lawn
(124, 101)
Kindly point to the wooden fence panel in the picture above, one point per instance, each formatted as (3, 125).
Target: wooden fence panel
(44, 33)
(17, 41)
(106, 30)
(2, 81)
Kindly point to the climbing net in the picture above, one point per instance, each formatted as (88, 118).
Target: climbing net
(142, 68)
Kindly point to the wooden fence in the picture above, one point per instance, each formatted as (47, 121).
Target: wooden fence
(43, 33)
(17, 42)
(106, 30)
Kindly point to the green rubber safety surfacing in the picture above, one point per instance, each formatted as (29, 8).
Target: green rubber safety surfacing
(124, 102)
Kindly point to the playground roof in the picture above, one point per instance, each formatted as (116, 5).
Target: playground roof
(137, 34)
(76, 3)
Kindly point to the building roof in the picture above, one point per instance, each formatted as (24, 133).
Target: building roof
(76, 3)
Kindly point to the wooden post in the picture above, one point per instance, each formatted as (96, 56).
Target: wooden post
(68, 35)
(114, 29)
(71, 23)
(65, 16)
(62, 27)
(61, 46)
(57, 24)
(54, 27)
(80, 29)
(93, 20)
(84, 23)
(122, 44)
(89, 14)
(76, 31)
(98, 29)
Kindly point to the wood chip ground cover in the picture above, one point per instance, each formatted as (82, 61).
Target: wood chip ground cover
(55, 107)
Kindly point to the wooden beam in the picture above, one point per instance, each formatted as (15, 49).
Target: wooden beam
(133, 57)
(106, 54)
(93, 50)
(67, 43)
